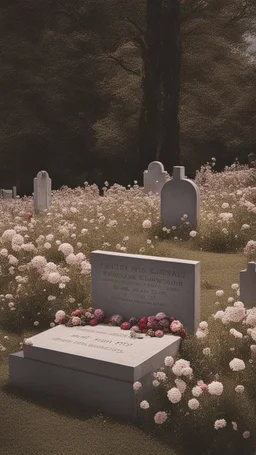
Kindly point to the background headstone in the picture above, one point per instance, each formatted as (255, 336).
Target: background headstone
(14, 192)
(154, 178)
(138, 285)
(180, 196)
(248, 285)
(42, 191)
(252, 160)
(7, 194)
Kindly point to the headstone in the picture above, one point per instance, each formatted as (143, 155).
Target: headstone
(42, 191)
(154, 178)
(248, 285)
(252, 160)
(138, 285)
(180, 196)
(92, 366)
(7, 194)
(14, 192)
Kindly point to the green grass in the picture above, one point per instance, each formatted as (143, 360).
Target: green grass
(38, 426)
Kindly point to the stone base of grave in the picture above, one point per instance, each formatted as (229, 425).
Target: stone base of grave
(91, 383)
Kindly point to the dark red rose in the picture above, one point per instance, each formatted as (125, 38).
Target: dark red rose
(144, 320)
(125, 326)
(182, 334)
(94, 321)
(143, 326)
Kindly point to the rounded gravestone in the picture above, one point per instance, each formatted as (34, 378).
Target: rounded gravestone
(42, 191)
(154, 178)
(180, 196)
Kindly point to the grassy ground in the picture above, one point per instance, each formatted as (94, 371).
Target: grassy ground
(29, 425)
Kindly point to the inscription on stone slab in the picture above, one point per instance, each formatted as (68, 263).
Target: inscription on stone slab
(103, 350)
(137, 285)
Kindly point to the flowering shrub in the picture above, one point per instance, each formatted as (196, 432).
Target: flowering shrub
(209, 401)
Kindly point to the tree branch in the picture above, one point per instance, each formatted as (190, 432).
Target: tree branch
(123, 65)
(240, 14)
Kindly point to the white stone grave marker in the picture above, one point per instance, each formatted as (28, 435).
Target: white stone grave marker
(154, 178)
(180, 196)
(248, 285)
(138, 285)
(42, 191)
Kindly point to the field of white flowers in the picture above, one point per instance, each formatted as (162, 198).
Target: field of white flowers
(206, 400)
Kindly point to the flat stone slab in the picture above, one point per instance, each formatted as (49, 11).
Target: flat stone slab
(93, 366)
(140, 285)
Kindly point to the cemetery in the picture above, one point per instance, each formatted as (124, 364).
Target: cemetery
(127, 306)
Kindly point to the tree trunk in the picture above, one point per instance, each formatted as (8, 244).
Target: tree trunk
(150, 85)
(170, 72)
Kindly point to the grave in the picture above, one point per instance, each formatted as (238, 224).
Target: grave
(93, 366)
(138, 285)
(42, 191)
(180, 196)
(97, 366)
(154, 178)
(248, 285)
(7, 194)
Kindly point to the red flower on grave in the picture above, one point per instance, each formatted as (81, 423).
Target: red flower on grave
(30, 215)
(76, 313)
(182, 334)
(94, 321)
(143, 326)
(106, 320)
(125, 326)
(144, 320)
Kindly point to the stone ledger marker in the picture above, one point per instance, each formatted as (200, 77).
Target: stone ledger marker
(137, 285)
(92, 366)
(154, 178)
(248, 285)
(42, 191)
(180, 196)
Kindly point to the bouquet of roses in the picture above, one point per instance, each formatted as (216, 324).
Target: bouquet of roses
(157, 325)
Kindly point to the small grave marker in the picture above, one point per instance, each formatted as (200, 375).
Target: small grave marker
(42, 191)
(180, 196)
(248, 285)
(154, 178)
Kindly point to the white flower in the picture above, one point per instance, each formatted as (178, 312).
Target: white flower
(47, 245)
(146, 224)
(8, 235)
(234, 425)
(221, 423)
(180, 384)
(237, 364)
(144, 404)
(28, 341)
(38, 262)
(168, 361)
(193, 234)
(245, 227)
(52, 324)
(219, 315)
(235, 313)
(156, 383)
(215, 388)
(219, 293)
(193, 404)
(234, 286)
(51, 298)
(54, 277)
(136, 386)
(59, 315)
(197, 391)
(246, 434)
(203, 325)
(231, 300)
(160, 417)
(182, 368)
(206, 351)
(71, 259)
(225, 205)
(36, 323)
(4, 252)
(174, 395)
(160, 376)
(201, 333)
(236, 333)
(66, 249)
(239, 388)
(50, 267)
(18, 239)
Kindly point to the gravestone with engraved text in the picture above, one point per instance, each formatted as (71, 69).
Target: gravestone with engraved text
(180, 196)
(138, 285)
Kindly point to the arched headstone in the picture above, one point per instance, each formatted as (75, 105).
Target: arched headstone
(42, 191)
(180, 196)
(248, 285)
(154, 178)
